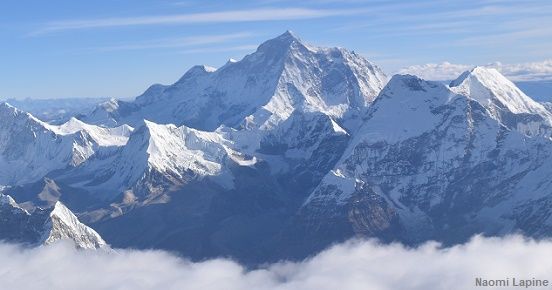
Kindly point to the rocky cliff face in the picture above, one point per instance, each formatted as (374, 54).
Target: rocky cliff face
(44, 226)
(451, 171)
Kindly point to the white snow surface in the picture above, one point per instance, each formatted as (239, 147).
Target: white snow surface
(117, 136)
(490, 88)
(30, 148)
(6, 199)
(263, 88)
(175, 152)
(174, 148)
(411, 114)
(64, 225)
(402, 111)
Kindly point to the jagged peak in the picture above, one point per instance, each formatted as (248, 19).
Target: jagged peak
(110, 105)
(6, 105)
(490, 88)
(7, 199)
(199, 70)
(261, 82)
(150, 125)
(194, 71)
(289, 36)
(228, 63)
(61, 211)
(281, 43)
(6, 108)
(411, 82)
(412, 91)
(11, 112)
(75, 121)
(63, 224)
(481, 73)
(148, 132)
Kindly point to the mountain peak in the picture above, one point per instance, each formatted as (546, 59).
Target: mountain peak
(63, 224)
(280, 43)
(6, 105)
(479, 72)
(493, 90)
(408, 82)
(282, 75)
(6, 108)
(288, 35)
(8, 200)
(12, 115)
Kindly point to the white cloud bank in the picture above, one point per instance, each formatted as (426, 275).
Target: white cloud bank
(529, 71)
(349, 266)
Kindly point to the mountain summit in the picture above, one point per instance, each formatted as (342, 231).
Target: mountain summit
(490, 88)
(44, 226)
(505, 102)
(260, 91)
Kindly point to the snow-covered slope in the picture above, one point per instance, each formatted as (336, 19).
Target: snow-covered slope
(157, 156)
(30, 148)
(506, 102)
(58, 110)
(449, 171)
(261, 90)
(117, 136)
(62, 224)
(108, 113)
(490, 88)
(45, 226)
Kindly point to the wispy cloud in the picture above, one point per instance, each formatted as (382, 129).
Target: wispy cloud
(529, 71)
(505, 37)
(220, 49)
(250, 15)
(430, 17)
(177, 42)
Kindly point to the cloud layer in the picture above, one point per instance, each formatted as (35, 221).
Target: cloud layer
(352, 265)
(530, 71)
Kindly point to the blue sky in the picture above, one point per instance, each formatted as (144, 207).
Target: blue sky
(117, 48)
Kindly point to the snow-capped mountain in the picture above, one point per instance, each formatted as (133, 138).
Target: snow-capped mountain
(506, 102)
(44, 226)
(30, 148)
(261, 90)
(56, 111)
(287, 151)
(451, 171)
(155, 157)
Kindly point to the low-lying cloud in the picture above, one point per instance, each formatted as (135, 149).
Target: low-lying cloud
(529, 71)
(352, 265)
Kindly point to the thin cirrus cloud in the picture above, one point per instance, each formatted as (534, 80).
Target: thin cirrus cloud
(178, 42)
(247, 47)
(249, 15)
(349, 266)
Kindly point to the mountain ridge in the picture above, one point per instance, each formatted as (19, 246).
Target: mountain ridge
(284, 74)
(296, 147)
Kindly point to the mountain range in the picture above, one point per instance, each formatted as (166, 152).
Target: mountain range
(281, 154)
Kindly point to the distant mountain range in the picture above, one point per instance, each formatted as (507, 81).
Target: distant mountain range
(283, 153)
(56, 111)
